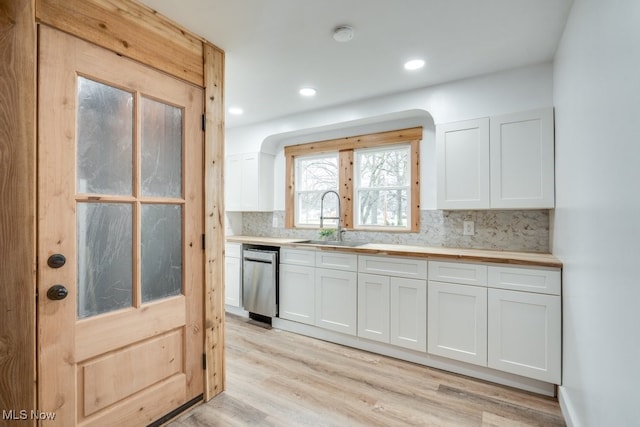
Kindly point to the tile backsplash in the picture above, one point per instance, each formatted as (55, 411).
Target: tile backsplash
(508, 230)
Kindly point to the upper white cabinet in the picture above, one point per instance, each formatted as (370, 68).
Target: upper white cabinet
(522, 160)
(463, 164)
(249, 182)
(501, 162)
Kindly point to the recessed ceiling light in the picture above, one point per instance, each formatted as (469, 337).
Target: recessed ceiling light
(414, 64)
(235, 111)
(343, 34)
(307, 91)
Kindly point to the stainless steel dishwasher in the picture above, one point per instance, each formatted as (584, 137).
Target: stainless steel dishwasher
(260, 282)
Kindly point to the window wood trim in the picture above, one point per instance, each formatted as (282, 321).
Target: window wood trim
(345, 148)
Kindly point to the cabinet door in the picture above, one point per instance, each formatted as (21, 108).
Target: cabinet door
(250, 178)
(232, 280)
(233, 182)
(297, 293)
(524, 335)
(463, 164)
(373, 307)
(336, 300)
(408, 313)
(457, 322)
(522, 160)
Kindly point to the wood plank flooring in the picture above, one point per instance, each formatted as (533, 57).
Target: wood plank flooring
(277, 378)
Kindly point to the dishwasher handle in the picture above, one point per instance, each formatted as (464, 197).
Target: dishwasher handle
(263, 261)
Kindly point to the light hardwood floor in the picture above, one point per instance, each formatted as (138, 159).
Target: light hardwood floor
(277, 378)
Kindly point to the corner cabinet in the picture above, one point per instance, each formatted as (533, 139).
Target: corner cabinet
(249, 182)
(522, 160)
(525, 322)
(501, 162)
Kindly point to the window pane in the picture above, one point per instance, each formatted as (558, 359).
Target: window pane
(104, 233)
(317, 173)
(384, 168)
(105, 139)
(161, 251)
(161, 149)
(309, 209)
(384, 208)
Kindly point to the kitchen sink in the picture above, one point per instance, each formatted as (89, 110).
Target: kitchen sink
(351, 244)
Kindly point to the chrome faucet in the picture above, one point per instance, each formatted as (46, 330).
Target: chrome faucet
(322, 217)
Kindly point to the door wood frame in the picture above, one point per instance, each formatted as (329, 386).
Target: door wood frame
(190, 58)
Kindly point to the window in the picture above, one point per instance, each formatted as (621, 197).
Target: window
(376, 176)
(314, 176)
(382, 189)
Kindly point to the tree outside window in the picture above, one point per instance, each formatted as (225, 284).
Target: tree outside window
(314, 176)
(382, 191)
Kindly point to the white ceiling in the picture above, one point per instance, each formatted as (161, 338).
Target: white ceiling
(275, 47)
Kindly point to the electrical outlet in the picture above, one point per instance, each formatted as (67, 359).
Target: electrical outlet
(468, 228)
(275, 223)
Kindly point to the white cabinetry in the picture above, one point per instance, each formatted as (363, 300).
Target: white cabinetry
(524, 328)
(297, 285)
(463, 164)
(373, 307)
(458, 311)
(500, 162)
(392, 301)
(319, 288)
(522, 160)
(336, 300)
(408, 313)
(249, 182)
(233, 274)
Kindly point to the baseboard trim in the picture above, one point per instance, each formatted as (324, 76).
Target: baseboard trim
(566, 407)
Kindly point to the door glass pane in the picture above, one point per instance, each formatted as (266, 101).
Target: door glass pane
(161, 149)
(104, 232)
(161, 251)
(105, 139)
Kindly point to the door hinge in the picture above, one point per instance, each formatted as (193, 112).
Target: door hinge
(203, 242)
(204, 122)
(204, 361)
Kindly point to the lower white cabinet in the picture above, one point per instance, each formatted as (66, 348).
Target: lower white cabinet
(524, 334)
(457, 322)
(233, 275)
(373, 307)
(336, 300)
(297, 293)
(408, 313)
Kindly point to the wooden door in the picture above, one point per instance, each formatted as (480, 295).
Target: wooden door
(120, 177)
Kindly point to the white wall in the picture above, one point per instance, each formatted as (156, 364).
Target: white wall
(597, 218)
(506, 92)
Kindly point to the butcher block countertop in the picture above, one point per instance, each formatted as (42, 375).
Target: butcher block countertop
(431, 252)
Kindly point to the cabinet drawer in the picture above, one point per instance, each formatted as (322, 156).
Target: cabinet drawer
(337, 261)
(297, 257)
(539, 280)
(389, 266)
(233, 249)
(457, 272)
